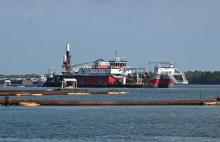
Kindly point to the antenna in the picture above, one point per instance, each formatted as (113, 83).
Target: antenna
(116, 53)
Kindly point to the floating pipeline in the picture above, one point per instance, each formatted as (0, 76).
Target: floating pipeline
(56, 92)
(34, 102)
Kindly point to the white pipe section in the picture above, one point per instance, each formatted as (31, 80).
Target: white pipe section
(64, 58)
(67, 47)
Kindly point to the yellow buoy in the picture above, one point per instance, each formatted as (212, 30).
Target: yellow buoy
(210, 103)
(22, 94)
(29, 104)
(77, 93)
(37, 94)
(117, 93)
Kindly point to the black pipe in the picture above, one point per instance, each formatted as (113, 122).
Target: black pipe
(102, 102)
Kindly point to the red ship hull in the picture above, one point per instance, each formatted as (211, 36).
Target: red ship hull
(107, 81)
(161, 83)
(97, 81)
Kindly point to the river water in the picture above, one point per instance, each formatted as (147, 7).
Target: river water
(116, 123)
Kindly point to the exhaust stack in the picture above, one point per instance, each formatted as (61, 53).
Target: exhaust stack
(67, 66)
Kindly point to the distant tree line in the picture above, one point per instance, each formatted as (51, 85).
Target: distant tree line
(203, 77)
(20, 76)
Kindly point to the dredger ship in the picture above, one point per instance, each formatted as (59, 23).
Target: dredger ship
(115, 73)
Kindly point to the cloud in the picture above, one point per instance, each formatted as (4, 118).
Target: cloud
(35, 13)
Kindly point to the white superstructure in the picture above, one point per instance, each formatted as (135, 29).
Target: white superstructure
(168, 68)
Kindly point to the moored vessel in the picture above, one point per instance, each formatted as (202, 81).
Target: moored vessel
(166, 75)
(113, 73)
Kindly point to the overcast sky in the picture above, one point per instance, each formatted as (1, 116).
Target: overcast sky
(33, 33)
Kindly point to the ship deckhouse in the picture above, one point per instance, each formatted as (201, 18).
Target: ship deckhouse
(118, 62)
(100, 63)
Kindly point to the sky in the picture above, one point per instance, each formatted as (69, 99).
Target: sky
(33, 34)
